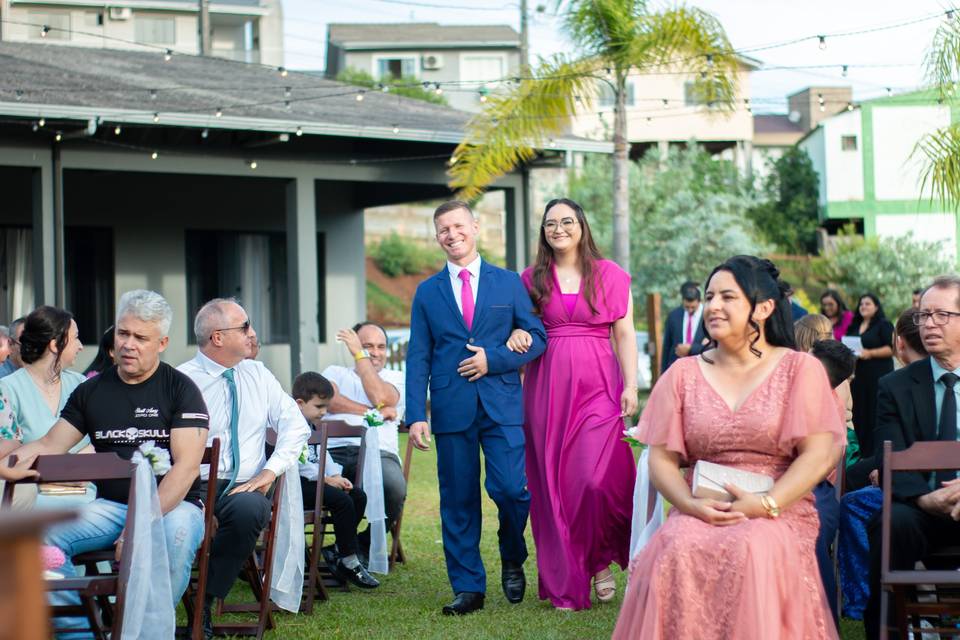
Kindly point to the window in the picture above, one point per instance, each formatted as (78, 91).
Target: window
(58, 23)
(482, 69)
(396, 68)
(251, 267)
(16, 272)
(89, 273)
(154, 30)
(848, 143)
(607, 99)
(692, 96)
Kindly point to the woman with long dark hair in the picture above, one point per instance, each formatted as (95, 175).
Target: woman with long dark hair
(754, 403)
(37, 391)
(874, 361)
(104, 358)
(579, 471)
(833, 306)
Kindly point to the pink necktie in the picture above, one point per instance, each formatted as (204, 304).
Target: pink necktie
(466, 298)
(690, 329)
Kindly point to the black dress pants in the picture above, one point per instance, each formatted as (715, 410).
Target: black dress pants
(914, 534)
(346, 510)
(241, 518)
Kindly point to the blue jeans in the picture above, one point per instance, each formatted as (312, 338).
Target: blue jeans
(828, 510)
(99, 525)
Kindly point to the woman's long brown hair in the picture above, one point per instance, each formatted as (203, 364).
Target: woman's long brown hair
(588, 255)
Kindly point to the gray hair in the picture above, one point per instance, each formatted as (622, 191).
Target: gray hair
(148, 306)
(210, 317)
(948, 281)
(4, 331)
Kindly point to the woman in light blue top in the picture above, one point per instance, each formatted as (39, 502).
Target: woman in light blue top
(35, 394)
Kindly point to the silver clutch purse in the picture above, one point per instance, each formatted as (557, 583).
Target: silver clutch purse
(709, 479)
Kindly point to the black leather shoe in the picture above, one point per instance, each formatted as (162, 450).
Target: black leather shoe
(207, 624)
(357, 576)
(514, 581)
(465, 602)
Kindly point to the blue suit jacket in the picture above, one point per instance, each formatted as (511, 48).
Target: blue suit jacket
(673, 335)
(438, 343)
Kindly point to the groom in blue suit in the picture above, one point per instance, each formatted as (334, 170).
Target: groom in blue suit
(460, 323)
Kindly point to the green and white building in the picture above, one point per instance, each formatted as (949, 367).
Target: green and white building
(870, 175)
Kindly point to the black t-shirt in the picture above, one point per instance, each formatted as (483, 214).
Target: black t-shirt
(119, 417)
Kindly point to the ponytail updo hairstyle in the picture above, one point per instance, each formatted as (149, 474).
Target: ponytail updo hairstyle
(542, 276)
(759, 279)
(43, 325)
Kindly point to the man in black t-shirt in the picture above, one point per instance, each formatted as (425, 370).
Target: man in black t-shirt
(142, 404)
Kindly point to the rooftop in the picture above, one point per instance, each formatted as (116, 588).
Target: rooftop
(118, 86)
(421, 34)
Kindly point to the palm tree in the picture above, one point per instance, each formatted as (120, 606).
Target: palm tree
(611, 37)
(942, 147)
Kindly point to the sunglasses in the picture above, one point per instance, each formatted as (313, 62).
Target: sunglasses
(245, 327)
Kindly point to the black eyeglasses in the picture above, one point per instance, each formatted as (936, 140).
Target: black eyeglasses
(244, 327)
(940, 318)
(567, 224)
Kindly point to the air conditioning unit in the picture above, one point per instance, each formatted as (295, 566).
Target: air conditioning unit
(432, 62)
(120, 13)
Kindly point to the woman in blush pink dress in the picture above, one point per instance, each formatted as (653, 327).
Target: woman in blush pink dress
(579, 471)
(744, 569)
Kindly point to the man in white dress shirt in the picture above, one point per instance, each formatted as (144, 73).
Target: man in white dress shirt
(368, 385)
(244, 400)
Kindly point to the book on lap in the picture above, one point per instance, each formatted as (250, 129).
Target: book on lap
(709, 479)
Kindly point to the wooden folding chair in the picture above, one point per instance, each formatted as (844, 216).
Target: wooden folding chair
(258, 572)
(396, 549)
(105, 619)
(903, 585)
(318, 577)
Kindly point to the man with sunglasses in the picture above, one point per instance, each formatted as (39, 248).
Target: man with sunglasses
(244, 400)
(914, 404)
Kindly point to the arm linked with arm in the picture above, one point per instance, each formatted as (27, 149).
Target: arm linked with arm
(500, 359)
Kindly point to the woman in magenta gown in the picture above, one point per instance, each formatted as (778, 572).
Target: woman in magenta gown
(580, 472)
(744, 568)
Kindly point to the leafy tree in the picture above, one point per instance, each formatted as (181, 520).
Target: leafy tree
(789, 213)
(408, 87)
(689, 210)
(890, 267)
(611, 38)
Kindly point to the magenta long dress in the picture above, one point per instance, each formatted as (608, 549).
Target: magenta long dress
(580, 473)
(752, 581)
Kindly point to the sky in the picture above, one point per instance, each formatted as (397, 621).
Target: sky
(889, 56)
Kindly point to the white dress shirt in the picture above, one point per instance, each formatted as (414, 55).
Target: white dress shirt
(263, 404)
(457, 283)
(351, 387)
(310, 470)
(687, 320)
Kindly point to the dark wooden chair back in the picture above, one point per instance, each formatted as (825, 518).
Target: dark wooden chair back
(924, 457)
(90, 468)
(194, 605)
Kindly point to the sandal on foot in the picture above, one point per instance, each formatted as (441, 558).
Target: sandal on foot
(605, 587)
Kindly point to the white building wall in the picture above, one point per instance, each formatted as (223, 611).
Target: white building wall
(843, 169)
(928, 227)
(896, 131)
(814, 145)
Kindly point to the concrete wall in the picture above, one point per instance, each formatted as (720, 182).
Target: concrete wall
(464, 96)
(674, 123)
(121, 34)
(896, 131)
(815, 147)
(844, 169)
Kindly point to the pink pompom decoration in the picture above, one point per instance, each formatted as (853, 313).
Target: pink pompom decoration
(52, 557)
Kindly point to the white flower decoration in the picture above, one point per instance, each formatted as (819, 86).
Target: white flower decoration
(373, 418)
(158, 457)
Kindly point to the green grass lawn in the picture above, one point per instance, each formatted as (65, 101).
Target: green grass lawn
(408, 602)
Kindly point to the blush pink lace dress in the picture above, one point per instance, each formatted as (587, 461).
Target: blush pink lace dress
(756, 580)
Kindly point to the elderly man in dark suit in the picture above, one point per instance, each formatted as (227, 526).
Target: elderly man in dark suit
(919, 403)
(683, 331)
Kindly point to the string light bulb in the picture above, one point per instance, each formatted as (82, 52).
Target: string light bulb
(44, 30)
(117, 130)
(844, 70)
(438, 90)
(666, 103)
(154, 155)
(286, 105)
(282, 71)
(253, 164)
(396, 129)
(167, 55)
(34, 127)
(58, 137)
(299, 132)
(153, 94)
(219, 112)
(156, 118)
(553, 144)
(823, 42)
(849, 106)
(287, 92)
(360, 97)
(42, 121)
(483, 97)
(19, 94)
(205, 133)
(889, 92)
